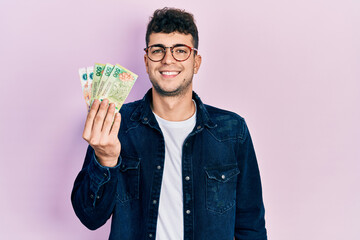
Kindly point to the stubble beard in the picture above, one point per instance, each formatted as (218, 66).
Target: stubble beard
(179, 91)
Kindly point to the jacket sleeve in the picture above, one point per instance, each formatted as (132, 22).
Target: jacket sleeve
(250, 211)
(94, 190)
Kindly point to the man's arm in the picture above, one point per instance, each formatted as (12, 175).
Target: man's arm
(250, 212)
(93, 195)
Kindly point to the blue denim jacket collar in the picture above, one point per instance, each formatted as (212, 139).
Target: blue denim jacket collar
(144, 113)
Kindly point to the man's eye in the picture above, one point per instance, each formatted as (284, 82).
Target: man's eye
(157, 51)
(181, 50)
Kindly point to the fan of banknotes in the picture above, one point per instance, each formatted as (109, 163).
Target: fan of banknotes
(106, 81)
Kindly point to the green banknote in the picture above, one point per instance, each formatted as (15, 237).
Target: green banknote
(104, 81)
(121, 82)
(98, 72)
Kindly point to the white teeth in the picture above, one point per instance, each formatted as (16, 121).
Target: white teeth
(169, 73)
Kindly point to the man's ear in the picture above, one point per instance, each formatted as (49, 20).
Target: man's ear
(146, 60)
(197, 63)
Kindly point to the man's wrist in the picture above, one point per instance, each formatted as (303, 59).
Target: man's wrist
(107, 162)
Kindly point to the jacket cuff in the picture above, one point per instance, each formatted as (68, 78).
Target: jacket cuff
(100, 174)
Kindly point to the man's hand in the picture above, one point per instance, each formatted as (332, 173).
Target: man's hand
(102, 133)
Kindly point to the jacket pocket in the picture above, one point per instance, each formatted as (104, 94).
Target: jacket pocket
(221, 188)
(129, 178)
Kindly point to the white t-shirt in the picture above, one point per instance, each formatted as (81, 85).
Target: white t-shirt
(170, 224)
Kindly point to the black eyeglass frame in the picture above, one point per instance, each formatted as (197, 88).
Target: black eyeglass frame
(171, 50)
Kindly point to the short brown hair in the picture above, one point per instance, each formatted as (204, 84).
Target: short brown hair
(168, 20)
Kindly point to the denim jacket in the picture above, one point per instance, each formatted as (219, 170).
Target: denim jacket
(222, 196)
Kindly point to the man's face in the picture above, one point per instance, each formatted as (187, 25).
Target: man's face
(170, 77)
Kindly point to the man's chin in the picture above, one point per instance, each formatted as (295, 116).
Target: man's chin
(167, 93)
(172, 92)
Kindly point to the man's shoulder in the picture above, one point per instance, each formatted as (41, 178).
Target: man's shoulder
(222, 114)
(128, 108)
(227, 123)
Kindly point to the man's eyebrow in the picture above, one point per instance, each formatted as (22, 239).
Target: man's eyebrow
(157, 45)
(162, 45)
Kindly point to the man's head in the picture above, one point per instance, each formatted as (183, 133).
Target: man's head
(171, 60)
(168, 20)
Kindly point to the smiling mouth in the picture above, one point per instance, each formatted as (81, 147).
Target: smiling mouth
(169, 74)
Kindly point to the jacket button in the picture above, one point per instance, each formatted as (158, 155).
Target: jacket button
(198, 127)
(187, 178)
(188, 211)
(145, 118)
(154, 202)
(150, 235)
(223, 176)
(159, 167)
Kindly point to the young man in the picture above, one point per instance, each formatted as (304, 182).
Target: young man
(174, 168)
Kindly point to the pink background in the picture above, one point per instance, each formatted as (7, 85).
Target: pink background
(291, 68)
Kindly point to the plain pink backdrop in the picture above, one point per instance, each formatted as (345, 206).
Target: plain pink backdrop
(291, 68)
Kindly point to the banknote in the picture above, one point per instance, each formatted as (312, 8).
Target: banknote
(104, 81)
(98, 72)
(120, 84)
(90, 75)
(84, 79)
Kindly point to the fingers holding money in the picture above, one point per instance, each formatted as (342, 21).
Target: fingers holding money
(101, 129)
(100, 116)
(100, 120)
(90, 120)
(108, 121)
(116, 125)
(102, 124)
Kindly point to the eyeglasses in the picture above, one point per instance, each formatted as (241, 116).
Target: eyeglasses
(180, 52)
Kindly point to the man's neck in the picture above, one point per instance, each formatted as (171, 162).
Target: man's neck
(175, 108)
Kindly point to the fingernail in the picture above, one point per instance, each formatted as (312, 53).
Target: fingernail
(93, 102)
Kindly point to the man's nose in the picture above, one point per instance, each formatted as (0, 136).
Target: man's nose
(168, 58)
